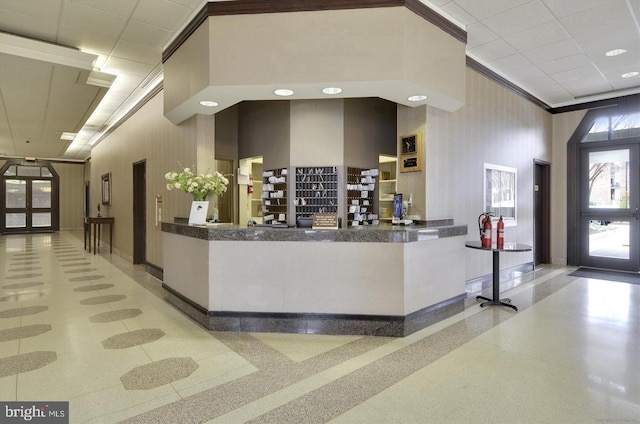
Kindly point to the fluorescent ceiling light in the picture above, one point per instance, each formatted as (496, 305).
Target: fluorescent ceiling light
(332, 90)
(209, 103)
(630, 74)
(68, 136)
(283, 92)
(615, 52)
(417, 98)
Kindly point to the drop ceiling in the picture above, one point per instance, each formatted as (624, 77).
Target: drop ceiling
(552, 49)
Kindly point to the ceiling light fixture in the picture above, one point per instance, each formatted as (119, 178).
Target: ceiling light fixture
(284, 92)
(630, 74)
(417, 98)
(332, 90)
(208, 103)
(615, 52)
(68, 136)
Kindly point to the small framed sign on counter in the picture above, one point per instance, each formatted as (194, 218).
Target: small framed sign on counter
(325, 221)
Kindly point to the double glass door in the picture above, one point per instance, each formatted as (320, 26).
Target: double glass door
(610, 194)
(27, 199)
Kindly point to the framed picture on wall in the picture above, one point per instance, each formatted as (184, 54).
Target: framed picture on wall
(411, 153)
(500, 188)
(106, 188)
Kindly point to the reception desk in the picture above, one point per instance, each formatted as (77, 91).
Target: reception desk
(382, 280)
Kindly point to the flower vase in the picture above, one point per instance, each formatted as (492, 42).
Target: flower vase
(198, 215)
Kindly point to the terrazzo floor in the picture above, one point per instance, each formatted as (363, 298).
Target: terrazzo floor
(94, 330)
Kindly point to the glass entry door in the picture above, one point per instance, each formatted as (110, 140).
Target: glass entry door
(610, 191)
(28, 199)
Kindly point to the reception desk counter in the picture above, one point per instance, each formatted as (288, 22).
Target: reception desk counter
(376, 280)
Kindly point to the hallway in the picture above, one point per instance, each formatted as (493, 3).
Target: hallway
(94, 330)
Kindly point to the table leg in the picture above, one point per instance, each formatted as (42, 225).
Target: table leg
(95, 235)
(110, 238)
(496, 286)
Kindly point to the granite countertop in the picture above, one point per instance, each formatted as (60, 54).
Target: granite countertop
(383, 233)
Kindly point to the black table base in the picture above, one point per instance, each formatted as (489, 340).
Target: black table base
(496, 301)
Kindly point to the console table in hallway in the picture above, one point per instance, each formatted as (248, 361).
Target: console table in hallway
(92, 224)
(508, 247)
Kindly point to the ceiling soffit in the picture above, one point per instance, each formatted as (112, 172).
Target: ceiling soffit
(385, 49)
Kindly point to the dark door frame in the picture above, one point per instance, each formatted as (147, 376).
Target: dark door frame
(139, 212)
(542, 212)
(574, 147)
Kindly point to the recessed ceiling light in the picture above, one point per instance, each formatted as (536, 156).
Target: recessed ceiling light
(208, 103)
(615, 52)
(68, 136)
(630, 74)
(417, 98)
(283, 92)
(332, 90)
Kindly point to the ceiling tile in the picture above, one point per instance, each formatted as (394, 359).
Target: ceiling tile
(619, 64)
(118, 7)
(518, 19)
(486, 8)
(478, 34)
(582, 73)
(493, 50)
(132, 51)
(541, 35)
(146, 35)
(510, 63)
(523, 74)
(28, 26)
(552, 51)
(607, 13)
(587, 87)
(565, 63)
(459, 14)
(87, 41)
(624, 83)
(129, 67)
(83, 18)
(161, 13)
(562, 8)
(604, 38)
(42, 10)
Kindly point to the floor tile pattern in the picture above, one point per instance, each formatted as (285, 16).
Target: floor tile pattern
(103, 338)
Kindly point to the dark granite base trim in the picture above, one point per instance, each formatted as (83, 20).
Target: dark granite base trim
(313, 323)
(154, 270)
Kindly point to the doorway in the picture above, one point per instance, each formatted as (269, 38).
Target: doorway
(29, 198)
(226, 212)
(609, 204)
(542, 213)
(139, 212)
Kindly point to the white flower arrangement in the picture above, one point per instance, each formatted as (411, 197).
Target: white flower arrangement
(199, 185)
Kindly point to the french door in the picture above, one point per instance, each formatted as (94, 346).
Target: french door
(609, 202)
(29, 199)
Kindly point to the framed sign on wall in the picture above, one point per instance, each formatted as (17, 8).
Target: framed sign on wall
(411, 153)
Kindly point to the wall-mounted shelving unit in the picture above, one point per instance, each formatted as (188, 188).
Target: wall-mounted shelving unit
(274, 196)
(316, 190)
(387, 186)
(361, 189)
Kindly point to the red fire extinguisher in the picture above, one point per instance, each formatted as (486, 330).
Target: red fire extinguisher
(484, 224)
(250, 185)
(500, 236)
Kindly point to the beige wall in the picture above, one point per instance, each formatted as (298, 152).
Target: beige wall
(146, 136)
(71, 178)
(495, 126)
